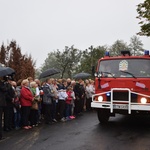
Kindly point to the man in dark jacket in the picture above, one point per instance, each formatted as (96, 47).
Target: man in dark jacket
(8, 109)
(2, 104)
(79, 93)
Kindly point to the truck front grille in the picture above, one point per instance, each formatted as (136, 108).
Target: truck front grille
(123, 96)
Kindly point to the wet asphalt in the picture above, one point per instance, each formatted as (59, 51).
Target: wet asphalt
(83, 133)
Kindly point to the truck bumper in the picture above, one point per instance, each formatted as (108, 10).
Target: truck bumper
(115, 104)
(133, 106)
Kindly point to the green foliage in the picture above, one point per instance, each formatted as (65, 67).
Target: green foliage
(90, 57)
(50, 61)
(66, 60)
(143, 10)
(117, 47)
(37, 73)
(136, 45)
(72, 61)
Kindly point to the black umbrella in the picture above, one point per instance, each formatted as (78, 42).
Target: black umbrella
(5, 71)
(82, 75)
(49, 72)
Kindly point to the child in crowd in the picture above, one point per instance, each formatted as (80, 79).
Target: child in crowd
(69, 103)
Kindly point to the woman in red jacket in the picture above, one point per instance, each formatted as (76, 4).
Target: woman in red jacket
(26, 99)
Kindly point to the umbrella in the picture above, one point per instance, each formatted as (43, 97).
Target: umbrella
(49, 72)
(5, 71)
(82, 75)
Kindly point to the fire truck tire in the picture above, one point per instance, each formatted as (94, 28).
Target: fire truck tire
(103, 115)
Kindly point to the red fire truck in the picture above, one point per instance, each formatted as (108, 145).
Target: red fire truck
(122, 85)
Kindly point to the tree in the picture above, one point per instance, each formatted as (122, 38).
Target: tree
(22, 64)
(117, 47)
(14, 62)
(68, 60)
(136, 45)
(143, 10)
(3, 55)
(50, 61)
(37, 72)
(28, 66)
(90, 57)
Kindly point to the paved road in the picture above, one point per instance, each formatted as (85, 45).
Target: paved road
(83, 133)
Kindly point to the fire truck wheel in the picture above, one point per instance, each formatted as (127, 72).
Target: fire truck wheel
(103, 115)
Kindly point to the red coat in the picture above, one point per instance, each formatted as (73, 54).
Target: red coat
(26, 97)
(69, 98)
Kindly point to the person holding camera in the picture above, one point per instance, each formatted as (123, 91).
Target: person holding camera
(2, 104)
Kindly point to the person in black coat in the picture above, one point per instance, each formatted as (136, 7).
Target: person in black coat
(8, 109)
(79, 94)
(2, 104)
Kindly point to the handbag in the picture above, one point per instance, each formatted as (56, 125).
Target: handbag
(34, 105)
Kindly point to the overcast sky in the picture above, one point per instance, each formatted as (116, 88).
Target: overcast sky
(42, 26)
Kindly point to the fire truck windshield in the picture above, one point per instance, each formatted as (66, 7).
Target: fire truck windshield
(130, 68)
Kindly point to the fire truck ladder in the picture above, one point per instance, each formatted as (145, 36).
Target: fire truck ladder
(116, 101)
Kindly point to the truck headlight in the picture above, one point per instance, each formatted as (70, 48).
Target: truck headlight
(143, 100)
(100, 98)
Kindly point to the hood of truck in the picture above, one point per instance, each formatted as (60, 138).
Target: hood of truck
(136, 85)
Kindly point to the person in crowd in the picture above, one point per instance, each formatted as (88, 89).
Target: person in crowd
(73, 83)
(79, 93)
(2, 104)
(34, 107)
(48, 101)
(8, 111)
(39, 91)
(26, 99)
(18, 87)
(68, 82)
(82, 105)
(69, 102)
(62, 95)
(30, 79)
(53, 110)
(42, 104)
(89, 92)
(59, 83)
(55, 100)
(17, 106)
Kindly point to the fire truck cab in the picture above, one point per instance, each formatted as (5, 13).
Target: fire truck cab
(122, 85)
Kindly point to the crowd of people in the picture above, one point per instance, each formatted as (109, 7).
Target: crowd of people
(28, 102)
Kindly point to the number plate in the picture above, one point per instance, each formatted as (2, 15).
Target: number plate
(120, 106)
